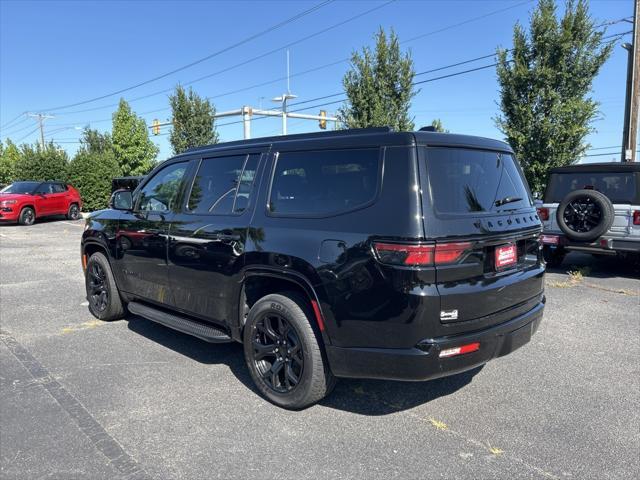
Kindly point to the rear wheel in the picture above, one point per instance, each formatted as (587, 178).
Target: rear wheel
(74, 212)
(102, 292)
(283, 352)
(27, 216)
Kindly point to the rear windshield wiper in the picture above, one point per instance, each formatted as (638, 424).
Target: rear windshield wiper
(506, 200)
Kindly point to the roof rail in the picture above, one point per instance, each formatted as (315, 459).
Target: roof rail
(299, 136)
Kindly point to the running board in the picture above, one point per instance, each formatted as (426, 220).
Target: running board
(182, 324)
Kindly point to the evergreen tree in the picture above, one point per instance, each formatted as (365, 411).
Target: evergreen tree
(545, 81)
(379, 86)
(133, 150)
(437, 125)
(192, 119)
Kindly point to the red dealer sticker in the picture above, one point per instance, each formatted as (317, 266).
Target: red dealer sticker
(506, 256)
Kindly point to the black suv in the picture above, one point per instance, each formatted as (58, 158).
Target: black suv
(357, 253)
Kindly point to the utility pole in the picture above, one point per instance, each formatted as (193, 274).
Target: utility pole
(41, 117)
(632, 99)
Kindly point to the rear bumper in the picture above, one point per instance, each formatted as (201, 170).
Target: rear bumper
(423, 361)
(604, 245)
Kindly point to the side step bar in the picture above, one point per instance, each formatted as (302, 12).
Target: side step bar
(182, 324)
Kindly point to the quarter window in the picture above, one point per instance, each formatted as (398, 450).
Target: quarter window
(223, 185)
(161, 192)
(324, 182)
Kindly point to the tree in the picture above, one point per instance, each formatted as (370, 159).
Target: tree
(192, 119)
(92, 169)
(545, 80)
(9, 157)
(40, 164)
(133, 150)
(437, 124)
(379, 86)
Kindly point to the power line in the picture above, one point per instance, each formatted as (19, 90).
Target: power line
(203, 59)
(28, 134)
(190, 82)
(12, 120)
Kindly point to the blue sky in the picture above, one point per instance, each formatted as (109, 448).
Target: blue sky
(55, 53)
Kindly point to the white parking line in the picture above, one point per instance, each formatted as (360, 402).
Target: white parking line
(74, 224)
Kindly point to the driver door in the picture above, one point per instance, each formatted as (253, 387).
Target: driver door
(142, 235)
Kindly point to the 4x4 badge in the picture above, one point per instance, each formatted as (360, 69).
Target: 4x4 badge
(448, 314)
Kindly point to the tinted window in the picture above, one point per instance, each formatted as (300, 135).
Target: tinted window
(59, 188)
(619, 187)
(324, 182)
(45, 188)
(466, 181)
(20, 187)
(223, 184)
(161, 192)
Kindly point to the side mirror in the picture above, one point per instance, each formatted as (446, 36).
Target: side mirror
(121, 200)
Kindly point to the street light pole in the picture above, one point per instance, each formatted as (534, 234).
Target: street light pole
(632, 98)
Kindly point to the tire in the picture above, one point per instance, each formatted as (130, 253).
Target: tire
(553, 257)
(303, 359)
(27, 216)
(596, 218)
(74, 212)
(102, 293)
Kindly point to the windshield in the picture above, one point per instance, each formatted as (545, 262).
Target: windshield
(619, 187)
(475, 181)
(20, 187)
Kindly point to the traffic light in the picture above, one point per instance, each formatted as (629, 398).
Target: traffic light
(323, 121)
(156, 127)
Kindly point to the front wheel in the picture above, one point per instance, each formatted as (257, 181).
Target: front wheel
(27, 216)
(74, 212)
(102, 292)
(283, 352)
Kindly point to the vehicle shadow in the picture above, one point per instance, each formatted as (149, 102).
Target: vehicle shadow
(364, 397)
(602, 266)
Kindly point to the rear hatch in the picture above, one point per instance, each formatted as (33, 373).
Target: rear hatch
(479, 211)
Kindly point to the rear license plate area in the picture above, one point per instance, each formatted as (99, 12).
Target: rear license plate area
(506, 256)
(550, 239)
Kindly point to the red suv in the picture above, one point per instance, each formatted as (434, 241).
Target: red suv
(24, 201)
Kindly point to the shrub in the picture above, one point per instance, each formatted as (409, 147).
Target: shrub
(90, 172)
(40, 164)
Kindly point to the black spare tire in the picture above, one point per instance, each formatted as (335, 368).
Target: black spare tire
(585, 215)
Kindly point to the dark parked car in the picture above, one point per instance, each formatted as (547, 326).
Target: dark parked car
(358, 253)
(125, 183)
(593, 208)
(23, 202)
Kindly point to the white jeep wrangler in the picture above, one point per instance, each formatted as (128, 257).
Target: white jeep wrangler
(592, 208)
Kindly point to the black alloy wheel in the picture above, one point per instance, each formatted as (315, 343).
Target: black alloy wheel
(277, 353)
(582, 215)
(585, 215)
(284, 352)
(97, 286)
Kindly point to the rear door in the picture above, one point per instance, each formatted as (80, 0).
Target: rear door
(59, 198)
(46, 200)
(478, 209)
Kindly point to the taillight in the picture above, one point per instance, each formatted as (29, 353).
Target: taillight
(543, 213)
(636, 217)
(420, 255)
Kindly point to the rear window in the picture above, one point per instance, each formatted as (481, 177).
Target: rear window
(619, 187)
(324, 182)
(475, 181)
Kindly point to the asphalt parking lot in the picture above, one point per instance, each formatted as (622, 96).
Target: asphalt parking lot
(80, 398)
